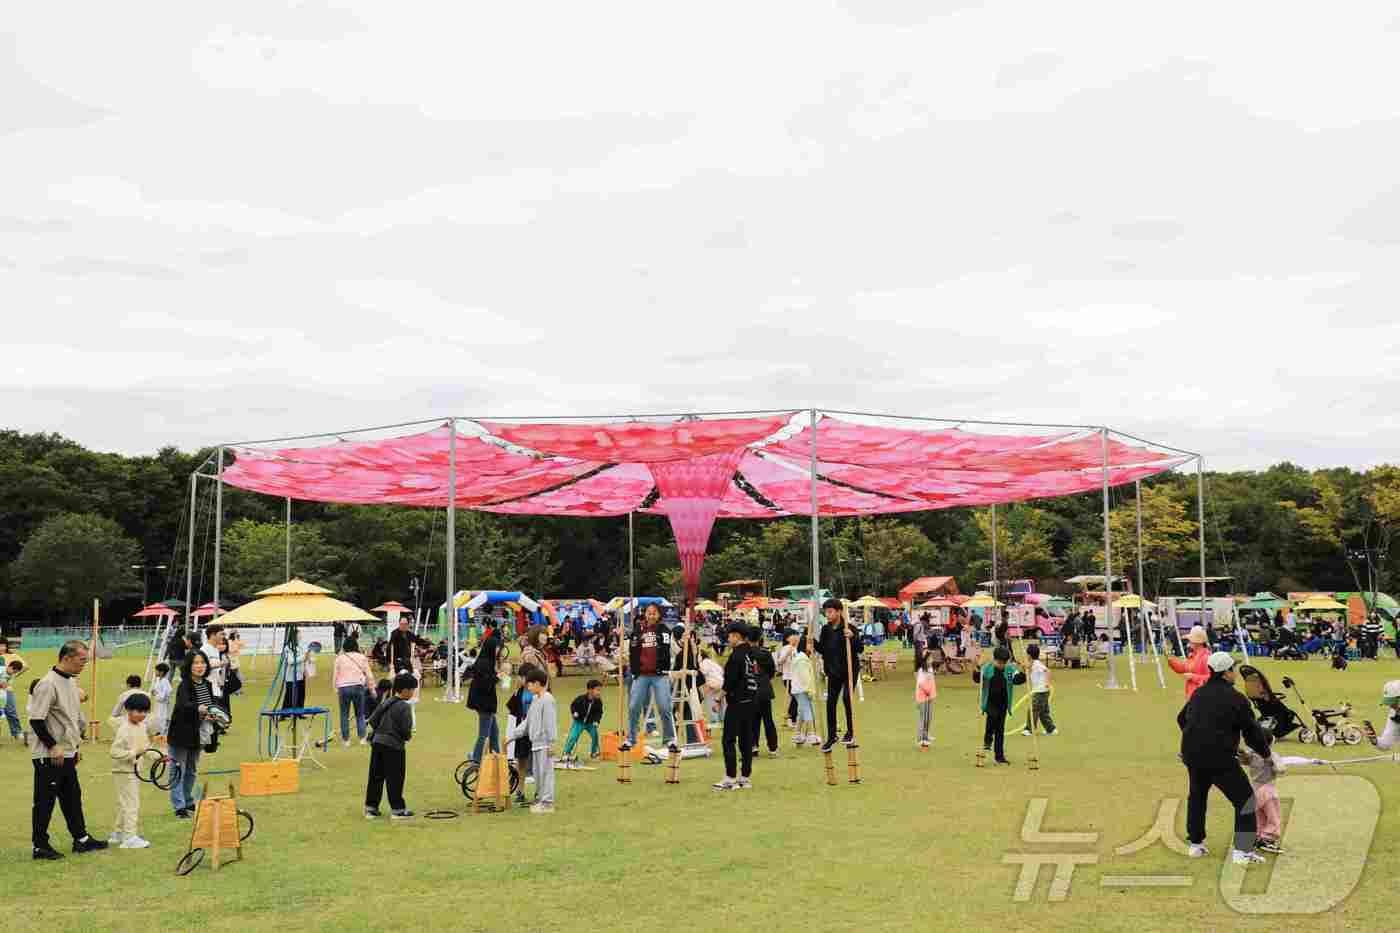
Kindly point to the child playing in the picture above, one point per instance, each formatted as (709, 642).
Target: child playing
(392, 723)
(127, 746)
(925, 689)
(9, 680)
(161, 692)
(587, 710)
(1268, 813)
(382, 691)
(1040, 694)
(133, 685)
(802, 683)
(712, 685)
(998, 680)
(542, 728)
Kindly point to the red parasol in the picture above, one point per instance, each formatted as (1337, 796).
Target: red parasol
(208, 609)
(392, 606)
(154, 610)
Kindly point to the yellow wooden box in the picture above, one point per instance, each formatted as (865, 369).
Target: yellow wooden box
(613, 740)
(262, 778)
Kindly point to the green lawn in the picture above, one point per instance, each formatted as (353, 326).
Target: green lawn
(919, 844)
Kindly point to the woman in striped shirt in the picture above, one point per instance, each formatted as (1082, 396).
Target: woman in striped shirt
(193, 698)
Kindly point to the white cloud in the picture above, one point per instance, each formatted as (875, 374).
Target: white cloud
(275, 219)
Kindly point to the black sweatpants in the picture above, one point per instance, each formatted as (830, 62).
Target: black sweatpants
(386, 766)
(994, 736)
(1234, 784)
(57, 784)
(837, 691)
(792, 702)
(738, 731)
(763, 722)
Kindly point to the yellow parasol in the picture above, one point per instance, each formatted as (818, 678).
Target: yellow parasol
(293, 602)
(982, 601)
(867, 602)
(1321, 603)
(708, 605)
(1133, 601)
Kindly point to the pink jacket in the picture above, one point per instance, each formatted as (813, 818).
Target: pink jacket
(925, 687)
(1193, 667)
(352, 670)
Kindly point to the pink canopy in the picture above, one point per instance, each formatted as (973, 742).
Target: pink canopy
(696, 470)
(154, 610)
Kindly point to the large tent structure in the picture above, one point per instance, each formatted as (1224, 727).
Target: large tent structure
(693, 468)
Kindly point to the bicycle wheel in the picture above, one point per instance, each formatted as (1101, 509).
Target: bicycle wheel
(1352, 735)
(189, 862)
(245, 825)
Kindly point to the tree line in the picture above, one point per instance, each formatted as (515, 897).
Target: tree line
(77, 524)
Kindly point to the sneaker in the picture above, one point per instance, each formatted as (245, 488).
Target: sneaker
(372, 813)
(593, 756)
(400, 814)
(88, 844)
(1246, 858)
(1269, 845)
(726, 784)
(1026, 732)
(518, 800)
(1003, 761)
(1197, 850)
(829, 744)
(542, 808)
(116, 839)
(47, 854)
(923, 743)
(813, 739)
(625, 746)
(1053, 732)
(850, 741)
(772, 753)
(744, 784)
(364, 741)
(345, 743)
(134, 842)
(183, 814)
(529, 779)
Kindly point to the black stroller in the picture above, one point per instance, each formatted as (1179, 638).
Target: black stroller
(1273, 712)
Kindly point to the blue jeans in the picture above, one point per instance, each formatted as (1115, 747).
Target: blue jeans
(184, 768)
(805, 712)
(11, 713)
(352, 696)
(650, 687)
(488, 729)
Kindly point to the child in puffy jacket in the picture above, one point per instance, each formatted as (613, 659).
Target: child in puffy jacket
(925, 690)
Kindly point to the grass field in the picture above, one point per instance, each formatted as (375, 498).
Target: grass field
(920, 844)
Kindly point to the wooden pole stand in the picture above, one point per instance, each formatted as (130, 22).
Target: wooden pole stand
(981, 757)
(673, 767)
(830, 769)
(853, 764)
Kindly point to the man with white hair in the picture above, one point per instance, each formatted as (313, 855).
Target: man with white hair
(1212, 723)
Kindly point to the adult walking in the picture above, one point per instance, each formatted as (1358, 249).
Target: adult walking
(481, 694)
(56, 728)
(1213, 722)
(9, 679)
(1194, 668)
(649, 657)
(353, 683)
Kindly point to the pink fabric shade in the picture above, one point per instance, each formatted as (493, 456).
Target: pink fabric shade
(694, 471)
(154, 610)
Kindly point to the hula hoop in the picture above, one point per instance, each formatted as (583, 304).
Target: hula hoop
(441, 814)
(243, 834)
(189, 862)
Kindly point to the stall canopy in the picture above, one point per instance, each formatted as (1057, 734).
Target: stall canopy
(695, 470)
(925, 586)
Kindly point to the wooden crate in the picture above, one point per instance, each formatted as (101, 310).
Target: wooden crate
(611, 742)
(263, 778)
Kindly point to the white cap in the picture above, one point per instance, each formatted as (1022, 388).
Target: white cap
(1390, 693)
(1220, 662)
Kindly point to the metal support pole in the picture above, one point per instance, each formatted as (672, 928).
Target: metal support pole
(289, 537)
(1149, 638)
(816, 536)
(454, 693)
(1108, 568)
(218, 525)
(189, 559)
(995, 578)
(1201, 529)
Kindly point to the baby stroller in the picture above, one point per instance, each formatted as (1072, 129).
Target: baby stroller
(1273, 712)
(1331, 722)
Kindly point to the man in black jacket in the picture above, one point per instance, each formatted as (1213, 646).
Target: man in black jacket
(763, 706)
(649, 658)
(1212, 723)
(740, 692)
(842, 667)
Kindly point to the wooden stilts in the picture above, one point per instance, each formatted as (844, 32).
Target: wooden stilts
(830, 769)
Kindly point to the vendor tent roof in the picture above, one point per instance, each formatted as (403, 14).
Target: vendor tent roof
(946, 586)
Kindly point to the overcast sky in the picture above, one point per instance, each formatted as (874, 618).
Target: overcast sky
(224, 221)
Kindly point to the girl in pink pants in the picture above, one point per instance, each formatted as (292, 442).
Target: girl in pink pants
(1263, 772)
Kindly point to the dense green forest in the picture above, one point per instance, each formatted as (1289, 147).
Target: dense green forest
(76, 524)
